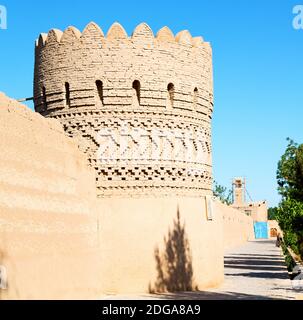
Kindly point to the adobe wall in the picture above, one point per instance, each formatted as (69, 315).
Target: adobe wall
(133, 228)
(238, 228)
(58, 241)
(48, 223)
(257, 210)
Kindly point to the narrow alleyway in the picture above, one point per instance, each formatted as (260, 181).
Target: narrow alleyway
(256, 270)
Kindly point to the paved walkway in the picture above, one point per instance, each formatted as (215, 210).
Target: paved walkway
(255, 271)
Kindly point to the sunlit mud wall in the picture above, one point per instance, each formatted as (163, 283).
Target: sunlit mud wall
(48, 222)
(142, 106)
(141, 238)
(57, 240)
(238, 228)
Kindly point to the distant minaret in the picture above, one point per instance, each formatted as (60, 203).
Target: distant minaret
(239, 191)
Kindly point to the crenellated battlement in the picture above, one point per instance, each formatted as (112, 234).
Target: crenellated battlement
(141, 104)
(116, 32)
(76, 62)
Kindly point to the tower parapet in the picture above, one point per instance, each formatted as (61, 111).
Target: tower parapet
(141, 105)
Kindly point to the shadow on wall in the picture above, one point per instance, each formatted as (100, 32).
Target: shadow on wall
(174, 265)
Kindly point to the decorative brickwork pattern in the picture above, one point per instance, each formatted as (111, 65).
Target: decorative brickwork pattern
(141, 106)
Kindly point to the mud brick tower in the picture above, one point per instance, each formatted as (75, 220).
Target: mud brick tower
(141, 106)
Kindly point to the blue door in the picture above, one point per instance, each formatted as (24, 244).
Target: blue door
(261, 230)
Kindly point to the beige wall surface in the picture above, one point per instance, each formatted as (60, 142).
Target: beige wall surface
(237, 226)
(257, 210)
(132, 229)
(58, 241)
(48, 229)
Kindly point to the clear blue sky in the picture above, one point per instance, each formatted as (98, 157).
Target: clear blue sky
(258, 64)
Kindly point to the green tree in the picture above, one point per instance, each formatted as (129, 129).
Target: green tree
(290, 172)
(290, 218)
(272, 213)
(222, 193)
(290, 187)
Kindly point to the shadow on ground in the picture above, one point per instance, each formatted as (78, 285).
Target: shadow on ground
(206, 295)
(257, 266)
(260, 266)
